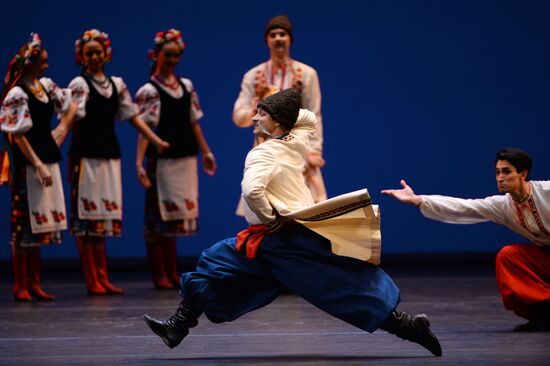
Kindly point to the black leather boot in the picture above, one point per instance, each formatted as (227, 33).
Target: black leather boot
(412, 328)
(540, 321)
(173, 330)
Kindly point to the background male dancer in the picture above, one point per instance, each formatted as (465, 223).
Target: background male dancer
(278, 73)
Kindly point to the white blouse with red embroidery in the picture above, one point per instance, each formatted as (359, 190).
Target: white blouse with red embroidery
(81, 93)
(15, 116)
(148, 100)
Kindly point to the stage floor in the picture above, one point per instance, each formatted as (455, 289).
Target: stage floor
(463, 305)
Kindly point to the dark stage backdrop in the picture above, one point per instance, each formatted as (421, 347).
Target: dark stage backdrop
(421, 90)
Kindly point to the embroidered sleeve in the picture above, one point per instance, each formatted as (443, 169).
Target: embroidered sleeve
(311, 99)
(15, 116)
(80, 94)
(148, 101)
(61, 97)
(126, 107)
(242, 107)
(196, 112)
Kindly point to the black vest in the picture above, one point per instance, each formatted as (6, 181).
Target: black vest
(175, 125)
(94, 135)
(40, 135)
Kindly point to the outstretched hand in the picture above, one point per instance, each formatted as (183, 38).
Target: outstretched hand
(405, 195)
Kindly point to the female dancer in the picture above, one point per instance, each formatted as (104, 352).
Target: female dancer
(37, 204)
(171, 105)
(96, 194)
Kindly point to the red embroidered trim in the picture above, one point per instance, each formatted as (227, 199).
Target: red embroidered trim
(534, 212)
(260, 79)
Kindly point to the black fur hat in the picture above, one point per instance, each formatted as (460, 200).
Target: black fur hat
(279, 21)
(283, 107)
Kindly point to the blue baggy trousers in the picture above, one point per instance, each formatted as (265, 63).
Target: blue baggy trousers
(226, 285)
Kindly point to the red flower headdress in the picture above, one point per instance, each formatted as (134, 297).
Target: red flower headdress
(26, 56)
(32, 49)
(170, 35)
(92, 35)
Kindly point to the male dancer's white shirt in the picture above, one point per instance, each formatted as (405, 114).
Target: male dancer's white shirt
(273, 180)
(500, 209)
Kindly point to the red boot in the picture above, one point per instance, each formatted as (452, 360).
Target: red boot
(19, 265)
(33, 261)
(89, 270)
(100, 256)
(171, 261)
(154, 253)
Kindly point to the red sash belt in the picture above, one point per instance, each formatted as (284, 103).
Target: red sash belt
(251, 238)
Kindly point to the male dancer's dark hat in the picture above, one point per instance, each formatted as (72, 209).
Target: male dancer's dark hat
(279, 21)
(283, 107)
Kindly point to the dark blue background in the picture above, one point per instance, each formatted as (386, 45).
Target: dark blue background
(425, 90)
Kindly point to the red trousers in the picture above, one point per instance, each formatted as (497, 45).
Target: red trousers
(523, 277)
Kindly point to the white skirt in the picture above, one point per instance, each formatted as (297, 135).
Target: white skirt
(46, 204)
(100, 189)
(178, 188)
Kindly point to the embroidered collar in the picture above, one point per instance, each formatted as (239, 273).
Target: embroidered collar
(529, 203)
(267, 73)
